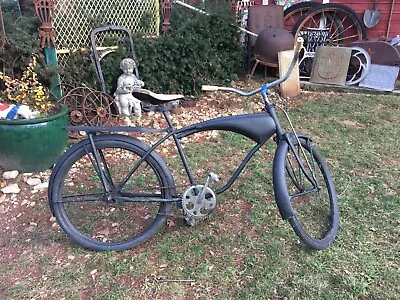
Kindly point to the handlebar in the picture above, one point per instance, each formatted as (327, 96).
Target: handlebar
(297, 47)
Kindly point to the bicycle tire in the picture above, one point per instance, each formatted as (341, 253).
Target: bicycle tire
(316, 227)
(103, 225)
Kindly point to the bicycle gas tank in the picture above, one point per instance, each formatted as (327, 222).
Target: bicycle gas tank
(258, 127)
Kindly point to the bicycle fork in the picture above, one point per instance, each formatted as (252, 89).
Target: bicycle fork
(99, 170)
(312, 178)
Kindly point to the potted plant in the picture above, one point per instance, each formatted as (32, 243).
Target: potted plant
(35, 142)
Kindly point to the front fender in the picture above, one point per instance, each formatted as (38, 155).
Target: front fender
(282, 198)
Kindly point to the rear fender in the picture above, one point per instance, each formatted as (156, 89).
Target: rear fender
(100, 137)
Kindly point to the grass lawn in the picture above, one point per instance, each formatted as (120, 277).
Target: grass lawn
(244, 250)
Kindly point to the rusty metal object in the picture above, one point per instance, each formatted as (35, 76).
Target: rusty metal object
(166, 11)
(98, 108)
(89, 107)
(270, 41)
(74, 103)
(45, 12)
(232, 7)
(381, 52)
(264, 16)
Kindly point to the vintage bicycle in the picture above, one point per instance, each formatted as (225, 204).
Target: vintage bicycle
(111, 191)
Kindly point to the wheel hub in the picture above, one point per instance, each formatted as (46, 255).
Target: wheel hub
(76, 116)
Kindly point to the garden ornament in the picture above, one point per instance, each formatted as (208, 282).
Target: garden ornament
(126, 84)
(45, 12)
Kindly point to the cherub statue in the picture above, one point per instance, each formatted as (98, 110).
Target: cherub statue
(126, 84)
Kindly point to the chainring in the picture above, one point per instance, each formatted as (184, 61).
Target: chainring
(194, 206)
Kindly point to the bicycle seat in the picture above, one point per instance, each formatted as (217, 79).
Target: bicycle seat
(154, 98)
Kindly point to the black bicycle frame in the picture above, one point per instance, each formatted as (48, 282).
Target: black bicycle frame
(259, 127)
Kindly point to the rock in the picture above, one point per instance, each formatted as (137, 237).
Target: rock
(42, 186)
(11, 189)
(10, 174)
(33, 181)
(3, 209)
(3, 198)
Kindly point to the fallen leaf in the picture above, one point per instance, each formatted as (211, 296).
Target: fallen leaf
(170, 223)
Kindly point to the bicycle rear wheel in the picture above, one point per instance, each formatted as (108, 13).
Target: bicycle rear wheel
(119, 222)
(311, 191)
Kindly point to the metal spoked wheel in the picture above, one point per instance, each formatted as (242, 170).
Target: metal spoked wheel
(74, 103)
(360, 62)
(296, 12)
(341, 23)
(326, 25)
(97, 108)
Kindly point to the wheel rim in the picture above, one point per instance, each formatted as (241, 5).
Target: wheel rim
(74, 103)
(313, 210)
(342, 26)
(297, 12)
(104, 221)
(97, 108)
(360, 62)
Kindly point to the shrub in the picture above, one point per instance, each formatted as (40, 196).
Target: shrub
(199, 49)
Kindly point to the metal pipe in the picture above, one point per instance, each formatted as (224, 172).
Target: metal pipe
(203, 12)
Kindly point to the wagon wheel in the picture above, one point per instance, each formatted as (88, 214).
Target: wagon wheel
(81, 90)
(360, 62)
(97, 108)
(295, 12)
(74, 103)
(326, 25)
(349, 29)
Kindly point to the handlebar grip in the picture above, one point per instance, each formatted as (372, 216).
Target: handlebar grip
(209, 88)
(298, 44)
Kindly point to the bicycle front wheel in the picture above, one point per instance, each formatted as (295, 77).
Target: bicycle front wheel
(129, 215)
(306, 181)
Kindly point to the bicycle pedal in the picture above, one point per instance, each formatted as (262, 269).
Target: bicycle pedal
(190, 221)
(213, 176)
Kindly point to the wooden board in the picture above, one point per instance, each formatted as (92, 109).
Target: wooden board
(291, 87)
